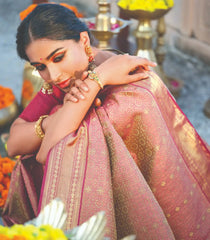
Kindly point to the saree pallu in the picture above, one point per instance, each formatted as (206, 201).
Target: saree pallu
(138, 158)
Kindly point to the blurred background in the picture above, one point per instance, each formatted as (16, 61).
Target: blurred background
(185, 39)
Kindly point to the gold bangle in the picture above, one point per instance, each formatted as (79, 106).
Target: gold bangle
(93, 76)
(38, 126)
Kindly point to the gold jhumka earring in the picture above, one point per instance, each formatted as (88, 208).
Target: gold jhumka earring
(46, 88)
(88, 51)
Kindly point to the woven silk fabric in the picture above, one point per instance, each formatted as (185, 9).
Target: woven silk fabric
(42, 104)
(23, 196)
(138, 158)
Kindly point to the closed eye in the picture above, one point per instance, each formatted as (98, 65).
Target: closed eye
(39, 67)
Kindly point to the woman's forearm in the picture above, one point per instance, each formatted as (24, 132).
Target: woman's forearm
(22, 138)
(66, 120)
(116, 70)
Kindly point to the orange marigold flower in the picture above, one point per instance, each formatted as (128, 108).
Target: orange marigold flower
(6, 97)
(29, 9)
(4, 194)
(1, 187)
(7, 168)
(1, 178)
(18, 237)
(74, 9)
(7, 185)
(2, 202)
(4, 237)
(6, 180)
(26, 12)
(6, 159)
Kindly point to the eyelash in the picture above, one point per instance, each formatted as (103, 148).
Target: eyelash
(40, 67)
(58, 58)
(55, 59)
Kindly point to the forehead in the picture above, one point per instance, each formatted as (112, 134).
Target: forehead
(41, 48)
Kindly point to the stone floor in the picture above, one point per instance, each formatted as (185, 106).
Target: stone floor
(196, 90)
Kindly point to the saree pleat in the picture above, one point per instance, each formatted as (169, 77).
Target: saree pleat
(138, 158)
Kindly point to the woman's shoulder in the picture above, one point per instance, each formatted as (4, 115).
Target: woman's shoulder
(153, 85)
(114, 51)
(103, 55)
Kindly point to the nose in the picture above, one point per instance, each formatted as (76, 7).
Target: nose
(54, 73)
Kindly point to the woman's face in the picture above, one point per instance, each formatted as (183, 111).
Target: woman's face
(59, 62)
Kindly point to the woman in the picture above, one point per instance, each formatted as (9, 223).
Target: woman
(135, 156)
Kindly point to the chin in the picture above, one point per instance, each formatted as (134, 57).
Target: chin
(65, 90)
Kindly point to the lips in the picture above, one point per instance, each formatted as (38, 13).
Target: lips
(64, 83)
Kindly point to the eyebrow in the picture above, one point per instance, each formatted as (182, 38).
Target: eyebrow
(49, 56)
(52, 53)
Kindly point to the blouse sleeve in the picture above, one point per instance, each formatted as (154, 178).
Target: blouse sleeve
(42, 104)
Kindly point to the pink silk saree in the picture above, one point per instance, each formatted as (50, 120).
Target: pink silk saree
(138, 158)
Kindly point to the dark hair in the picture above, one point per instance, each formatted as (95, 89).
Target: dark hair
(51, 21)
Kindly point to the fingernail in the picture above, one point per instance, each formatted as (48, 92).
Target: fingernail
(85, 89)
(82, 97)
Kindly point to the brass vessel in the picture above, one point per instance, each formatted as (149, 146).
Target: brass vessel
(104, 37)
(8, 114)
(145, 34)
(32, 83)
(142, 14)
(104, 25)
(103, 17)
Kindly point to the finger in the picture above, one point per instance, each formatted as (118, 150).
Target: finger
(138, 76)
(139, 69)
(71, 98)
(149, 63)
(81, 85)
(76, 93)
(145, 61)
(141, 64)
(84, 75)
(145, 67)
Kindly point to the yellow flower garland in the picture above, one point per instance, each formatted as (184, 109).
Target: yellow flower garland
(30, 232)
(146, 5)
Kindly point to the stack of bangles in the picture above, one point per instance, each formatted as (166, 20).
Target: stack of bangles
(38, 127)
(92, 75)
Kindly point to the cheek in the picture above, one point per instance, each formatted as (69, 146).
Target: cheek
(78, 63)
(82, 62)
(44, 75)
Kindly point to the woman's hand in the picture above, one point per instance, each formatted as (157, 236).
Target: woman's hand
(76, 92)
(118, 69)
(123, 69)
